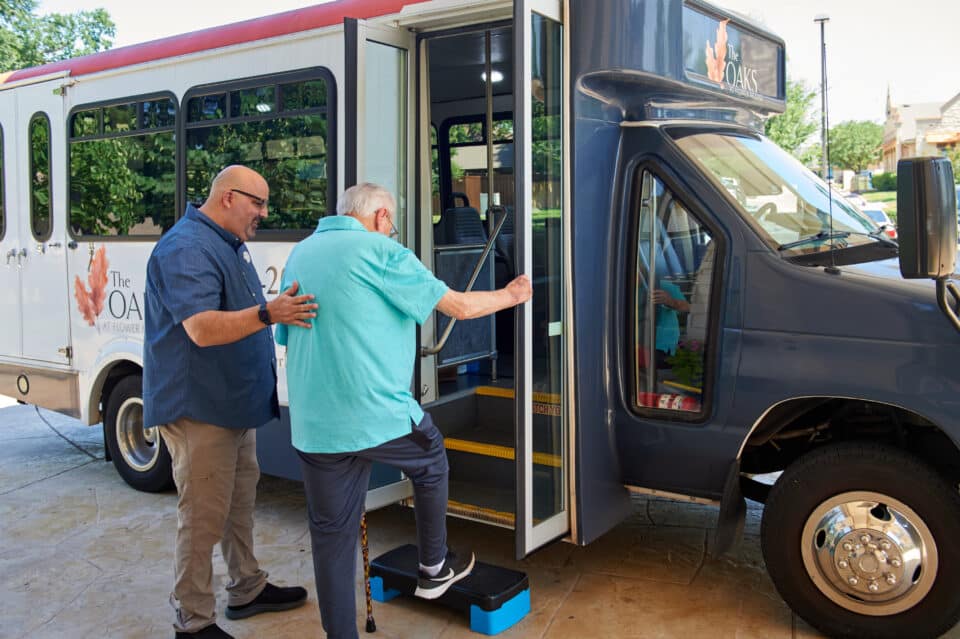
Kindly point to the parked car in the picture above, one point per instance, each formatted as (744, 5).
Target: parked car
(880, 216)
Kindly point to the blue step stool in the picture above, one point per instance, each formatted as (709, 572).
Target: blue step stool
(496, 598)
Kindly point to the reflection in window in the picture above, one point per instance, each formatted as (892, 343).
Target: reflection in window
(41, 205)
(279, 130)
(674, 259)
(123, 176)
(468, 161)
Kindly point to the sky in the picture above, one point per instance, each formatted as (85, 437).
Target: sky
(911, 47)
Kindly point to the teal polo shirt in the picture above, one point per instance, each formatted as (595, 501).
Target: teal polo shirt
(349, 376)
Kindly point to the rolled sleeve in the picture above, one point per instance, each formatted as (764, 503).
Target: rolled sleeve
(410, 286)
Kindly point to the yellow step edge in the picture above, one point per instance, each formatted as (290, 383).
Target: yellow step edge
(508, 393)
(500, 452)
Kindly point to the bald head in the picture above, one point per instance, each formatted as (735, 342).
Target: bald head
(237, 200)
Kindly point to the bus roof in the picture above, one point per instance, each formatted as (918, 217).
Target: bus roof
(315, 17)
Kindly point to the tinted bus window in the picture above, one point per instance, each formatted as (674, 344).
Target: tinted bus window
(278, 127)
(123, 169)
(41, 205)
(674, 257)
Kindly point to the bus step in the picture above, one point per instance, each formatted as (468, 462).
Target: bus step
(495, 598)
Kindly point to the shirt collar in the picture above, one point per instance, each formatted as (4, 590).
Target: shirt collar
(195, 214)
(339, 223)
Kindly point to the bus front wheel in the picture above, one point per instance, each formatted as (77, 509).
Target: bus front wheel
(139, 454)
(860, 540)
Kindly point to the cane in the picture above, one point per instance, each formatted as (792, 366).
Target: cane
(371, 624)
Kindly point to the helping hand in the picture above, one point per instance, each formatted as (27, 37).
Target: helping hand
(290, 308)
(520, 289)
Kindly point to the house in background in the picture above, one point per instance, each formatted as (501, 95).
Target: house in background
(913, 130)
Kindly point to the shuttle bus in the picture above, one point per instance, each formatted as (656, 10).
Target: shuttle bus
(703, 310)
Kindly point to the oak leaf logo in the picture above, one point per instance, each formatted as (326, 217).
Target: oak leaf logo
(717, 55)
(90, 303)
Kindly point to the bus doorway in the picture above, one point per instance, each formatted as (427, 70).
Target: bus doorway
(495, 385)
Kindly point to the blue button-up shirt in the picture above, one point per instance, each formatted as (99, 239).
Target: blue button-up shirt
(349, 376)
(198, 266)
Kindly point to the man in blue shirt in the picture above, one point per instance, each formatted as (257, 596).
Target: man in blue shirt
(209, 379)
(349, 384)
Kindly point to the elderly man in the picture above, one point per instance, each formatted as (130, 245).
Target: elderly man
(350, 402)
(209, 379)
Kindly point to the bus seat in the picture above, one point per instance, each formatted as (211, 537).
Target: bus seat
(460, 225)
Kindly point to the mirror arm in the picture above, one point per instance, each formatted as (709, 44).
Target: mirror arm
(948, 306)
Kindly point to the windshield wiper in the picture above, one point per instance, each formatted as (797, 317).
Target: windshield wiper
(836, 235)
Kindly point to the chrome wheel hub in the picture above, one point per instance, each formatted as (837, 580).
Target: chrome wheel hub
(139, 447)
(869, 553)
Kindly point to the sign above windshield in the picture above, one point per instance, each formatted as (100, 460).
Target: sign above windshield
(718, 52)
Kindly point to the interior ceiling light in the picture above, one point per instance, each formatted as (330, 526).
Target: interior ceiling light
(265, 108)
(496, 75)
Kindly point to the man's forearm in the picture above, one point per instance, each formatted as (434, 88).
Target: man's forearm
(215, 328)
(474, 304)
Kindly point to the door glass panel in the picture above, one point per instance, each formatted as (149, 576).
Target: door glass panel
(674, 270)
(41, 205)
(385, 123)
(549, 439)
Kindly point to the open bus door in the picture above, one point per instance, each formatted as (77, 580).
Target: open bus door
(380, 143)
(542, 223)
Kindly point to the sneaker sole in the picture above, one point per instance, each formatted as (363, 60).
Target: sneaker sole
(243, 613)
(434, 593)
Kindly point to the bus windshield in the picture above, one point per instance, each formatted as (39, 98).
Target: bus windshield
(783, 200)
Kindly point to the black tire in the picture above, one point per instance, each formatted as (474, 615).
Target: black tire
(834, 571)
(141, 457)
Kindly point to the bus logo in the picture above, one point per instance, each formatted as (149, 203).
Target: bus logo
(717, 55)
(90, 303)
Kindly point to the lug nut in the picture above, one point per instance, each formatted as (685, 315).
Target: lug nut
(843, 564)
(853, 581)
(891, 579)
(847, 546)
(885, 545)
(865, 538)
(873, 587)
(895, 562)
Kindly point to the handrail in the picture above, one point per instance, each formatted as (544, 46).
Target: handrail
(426, 351)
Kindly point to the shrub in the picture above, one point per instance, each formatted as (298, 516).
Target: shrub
(885, 181)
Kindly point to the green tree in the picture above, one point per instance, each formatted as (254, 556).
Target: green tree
(855, 145)
(28, 39)
(792, 129)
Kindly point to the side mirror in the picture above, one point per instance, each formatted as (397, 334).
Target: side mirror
(926, 218)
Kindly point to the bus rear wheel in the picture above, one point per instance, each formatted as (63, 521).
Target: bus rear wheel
(860, 541)
(139, 454)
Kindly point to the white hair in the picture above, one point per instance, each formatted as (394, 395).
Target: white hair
(364, 199)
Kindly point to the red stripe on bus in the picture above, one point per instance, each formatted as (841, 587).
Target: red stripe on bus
(323, 15)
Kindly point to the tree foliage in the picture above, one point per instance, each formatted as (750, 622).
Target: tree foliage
(28, 39)
(855, 145)
(793, 128)
(953, 154)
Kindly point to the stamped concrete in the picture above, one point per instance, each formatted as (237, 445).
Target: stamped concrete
(83, 555)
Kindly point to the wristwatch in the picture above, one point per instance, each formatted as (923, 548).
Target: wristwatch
(264, 314)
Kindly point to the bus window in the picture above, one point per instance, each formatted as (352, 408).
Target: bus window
(41, 204)
(674, 270)
(467, 143)
(281, 127)
(123, 169)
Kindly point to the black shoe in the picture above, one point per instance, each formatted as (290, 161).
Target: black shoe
(454, 568)
(210, 632)
(270, 599)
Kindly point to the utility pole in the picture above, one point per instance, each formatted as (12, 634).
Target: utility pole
(824, 123)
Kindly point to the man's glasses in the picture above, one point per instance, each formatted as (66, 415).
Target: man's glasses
(394, 233)
(259, 201)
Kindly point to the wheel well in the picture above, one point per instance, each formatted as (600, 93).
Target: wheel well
(797, 426)
(110, 378)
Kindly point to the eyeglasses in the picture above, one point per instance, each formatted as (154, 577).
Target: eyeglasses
(394, 233)
(259, 201)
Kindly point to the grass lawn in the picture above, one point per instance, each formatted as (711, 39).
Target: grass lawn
(887, 198)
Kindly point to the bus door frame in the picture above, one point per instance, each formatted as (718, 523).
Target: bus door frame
(11, 305)
(360, 37)
(532, 535)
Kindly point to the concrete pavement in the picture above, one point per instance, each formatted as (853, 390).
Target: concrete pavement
(84, 555)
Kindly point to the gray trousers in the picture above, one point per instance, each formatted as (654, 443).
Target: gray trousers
(336, 487)
(216, 473)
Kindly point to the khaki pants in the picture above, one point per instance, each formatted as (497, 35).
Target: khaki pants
(216, 473)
